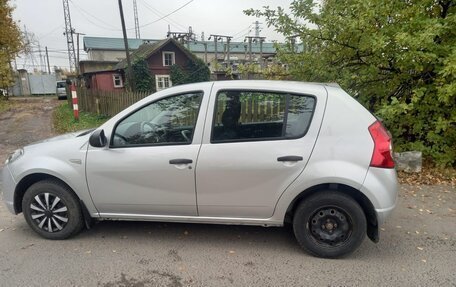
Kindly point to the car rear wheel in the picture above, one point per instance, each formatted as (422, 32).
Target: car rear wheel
(329, 224)
(52, 210)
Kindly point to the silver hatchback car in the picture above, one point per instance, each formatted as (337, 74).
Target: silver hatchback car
(233, 152)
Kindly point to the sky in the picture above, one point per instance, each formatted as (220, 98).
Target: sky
(44, 19)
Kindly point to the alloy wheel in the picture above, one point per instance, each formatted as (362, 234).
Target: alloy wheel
(48, 212)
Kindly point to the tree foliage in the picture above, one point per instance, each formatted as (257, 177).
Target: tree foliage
(144, 80)
(195, 71)
(10, 43)
(273, 71)
(398, 58)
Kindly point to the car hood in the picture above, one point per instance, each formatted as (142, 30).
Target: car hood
(64, 136)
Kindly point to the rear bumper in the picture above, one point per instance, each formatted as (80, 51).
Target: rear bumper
(381, 187)
(8, 186)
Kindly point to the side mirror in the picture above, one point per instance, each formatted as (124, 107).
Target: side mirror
(98, 139)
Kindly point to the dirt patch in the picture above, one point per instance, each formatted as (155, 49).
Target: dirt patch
(27, 120)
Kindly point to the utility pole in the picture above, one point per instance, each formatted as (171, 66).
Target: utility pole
(254, 39)
(41, 58)
(69, 34)
(135, 11)
(77, 51)
(182, 37)
(127, 51)
(257, 28)
(249, 38)
(205, 52)
(47, 60)
(261, 51)
(216, 39)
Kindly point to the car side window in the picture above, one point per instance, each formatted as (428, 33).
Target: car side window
(167, 121)
(257, 115)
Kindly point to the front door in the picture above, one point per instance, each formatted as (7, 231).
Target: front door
(148, 168)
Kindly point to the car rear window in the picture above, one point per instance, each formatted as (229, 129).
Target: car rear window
(258, 115)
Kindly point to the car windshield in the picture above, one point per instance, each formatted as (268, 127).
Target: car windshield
(61, 84)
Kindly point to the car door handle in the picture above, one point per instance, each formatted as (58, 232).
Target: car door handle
(290, 158)
(180, 161)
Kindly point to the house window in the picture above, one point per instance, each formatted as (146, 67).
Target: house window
(163, 82)
(168, 58)
(117, 79)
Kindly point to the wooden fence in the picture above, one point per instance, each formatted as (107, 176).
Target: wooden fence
(106, 103)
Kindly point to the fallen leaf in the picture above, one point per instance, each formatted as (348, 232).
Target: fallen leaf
(114, 251)
(1, 230)
(424, 260)
(88, 251)
(420, 248)
(231, 252)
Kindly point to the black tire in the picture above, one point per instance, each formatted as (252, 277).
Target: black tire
(329, 224)
(61, 218)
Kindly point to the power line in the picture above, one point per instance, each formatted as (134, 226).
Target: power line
(160, 14)
(108, 26)
(53, 30)
(155, 21)
(248, 27)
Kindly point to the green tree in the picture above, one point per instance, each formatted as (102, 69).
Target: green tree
(10, 43)
(195, 71)
(398, 58)
(144, 80)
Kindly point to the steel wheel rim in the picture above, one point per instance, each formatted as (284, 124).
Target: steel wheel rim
(48, 212)
(330, 226)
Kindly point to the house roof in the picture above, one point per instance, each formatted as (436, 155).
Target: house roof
(147, 49)
(103, 43)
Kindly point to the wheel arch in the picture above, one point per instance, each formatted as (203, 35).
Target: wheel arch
(358, 196)
(28, 181)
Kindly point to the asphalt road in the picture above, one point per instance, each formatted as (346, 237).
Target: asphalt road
(417, 248)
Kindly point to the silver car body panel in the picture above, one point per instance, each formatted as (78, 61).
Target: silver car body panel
(244, 179)
(62, 157)
(380, 186)
(230, 183)
(8, 185)
(140, 180)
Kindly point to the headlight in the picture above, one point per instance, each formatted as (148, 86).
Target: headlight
(15, 155)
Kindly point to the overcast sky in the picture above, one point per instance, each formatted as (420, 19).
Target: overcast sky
(44, 18)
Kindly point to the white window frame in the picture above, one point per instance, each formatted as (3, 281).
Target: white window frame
(121, 85)
(161, 79)
(173, 58)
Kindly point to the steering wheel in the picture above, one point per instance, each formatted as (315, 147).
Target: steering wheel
(152, 127)
(153, 131)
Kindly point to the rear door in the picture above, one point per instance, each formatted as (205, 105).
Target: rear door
(256, 142)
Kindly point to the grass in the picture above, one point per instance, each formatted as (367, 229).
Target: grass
(5, 105)
(64, 122)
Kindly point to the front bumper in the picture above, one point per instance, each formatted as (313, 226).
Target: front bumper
(8, 187)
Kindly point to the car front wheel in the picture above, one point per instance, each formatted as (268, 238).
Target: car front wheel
(329, 224)
(52, 210)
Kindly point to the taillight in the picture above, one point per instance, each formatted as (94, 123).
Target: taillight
(382, 155)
